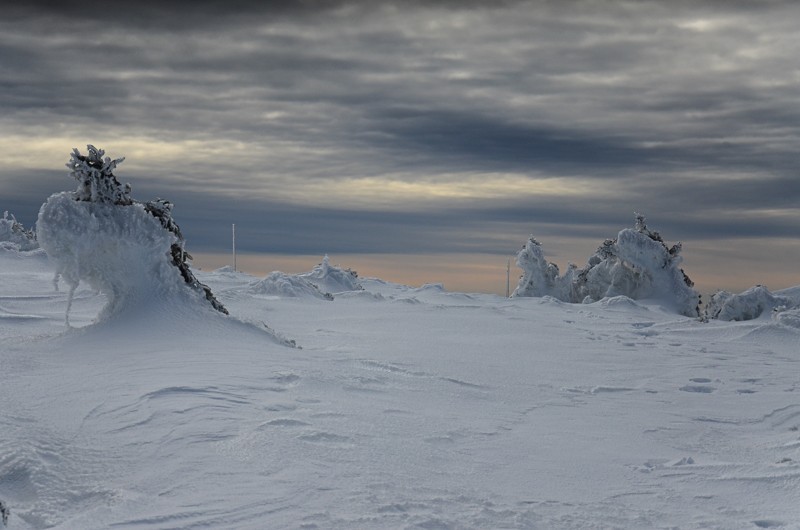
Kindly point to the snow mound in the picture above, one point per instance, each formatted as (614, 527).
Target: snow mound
(748, 305)
(430, 288)
(789, 318)
(287, 286)
(637, 264)
(331, 279)
(14, 236)
(622, 302)
(792, 292)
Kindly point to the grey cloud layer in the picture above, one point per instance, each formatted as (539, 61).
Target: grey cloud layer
(662, 103)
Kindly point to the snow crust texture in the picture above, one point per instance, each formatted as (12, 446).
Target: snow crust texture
(637, 264)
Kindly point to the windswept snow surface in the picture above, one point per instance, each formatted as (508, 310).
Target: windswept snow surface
(405, 408)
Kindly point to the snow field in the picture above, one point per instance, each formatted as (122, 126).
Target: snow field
(405, 408)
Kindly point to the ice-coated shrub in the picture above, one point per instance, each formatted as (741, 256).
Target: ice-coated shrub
(14, 236)
(637, 264)
(747, 305)
(131, 251)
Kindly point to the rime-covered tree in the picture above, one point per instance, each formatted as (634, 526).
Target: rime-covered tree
(127, 249)
(540, 277)
(95, 176)
(15, 236)
(637, 264)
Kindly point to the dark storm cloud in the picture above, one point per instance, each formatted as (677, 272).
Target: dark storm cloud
(684, 110)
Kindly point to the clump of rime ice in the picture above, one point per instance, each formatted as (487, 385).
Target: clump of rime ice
(637, 264)
(747, 305)
(131, 251)
(14, 236)
(331, 279)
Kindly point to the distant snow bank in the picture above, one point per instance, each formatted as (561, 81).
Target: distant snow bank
(332, 279)
(287, 286)
(322, 282)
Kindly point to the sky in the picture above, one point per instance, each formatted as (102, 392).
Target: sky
(422, 141)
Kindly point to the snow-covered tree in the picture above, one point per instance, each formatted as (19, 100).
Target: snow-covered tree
(95, 176)
(637, 264)
(15, 236)
(540, 277)
(130, 251)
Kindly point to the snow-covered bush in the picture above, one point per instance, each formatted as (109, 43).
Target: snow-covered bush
(14, 236)
(133, 252)
(747, 305)
(330, 279)
(637, 264)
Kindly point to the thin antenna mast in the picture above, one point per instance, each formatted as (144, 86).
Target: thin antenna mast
(508, 278)
(233, 241)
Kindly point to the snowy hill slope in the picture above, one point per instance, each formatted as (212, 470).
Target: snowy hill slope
(406, 408)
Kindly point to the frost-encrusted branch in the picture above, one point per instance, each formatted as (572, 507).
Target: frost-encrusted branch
(162, 210)
(95, 176)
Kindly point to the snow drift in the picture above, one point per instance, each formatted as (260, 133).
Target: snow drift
(288, 286)
(637, 264)
(747, 305)
(130, 251)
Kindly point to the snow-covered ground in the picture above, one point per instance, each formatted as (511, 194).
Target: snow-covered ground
(402, 408)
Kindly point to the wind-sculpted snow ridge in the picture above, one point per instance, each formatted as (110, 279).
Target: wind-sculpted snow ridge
(748, 305)
(637, 264)
(288, 286)
(14, 236)
(132, 252)
(332, 279)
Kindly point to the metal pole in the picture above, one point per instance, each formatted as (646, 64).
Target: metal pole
(233, 241)
(508, 278)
